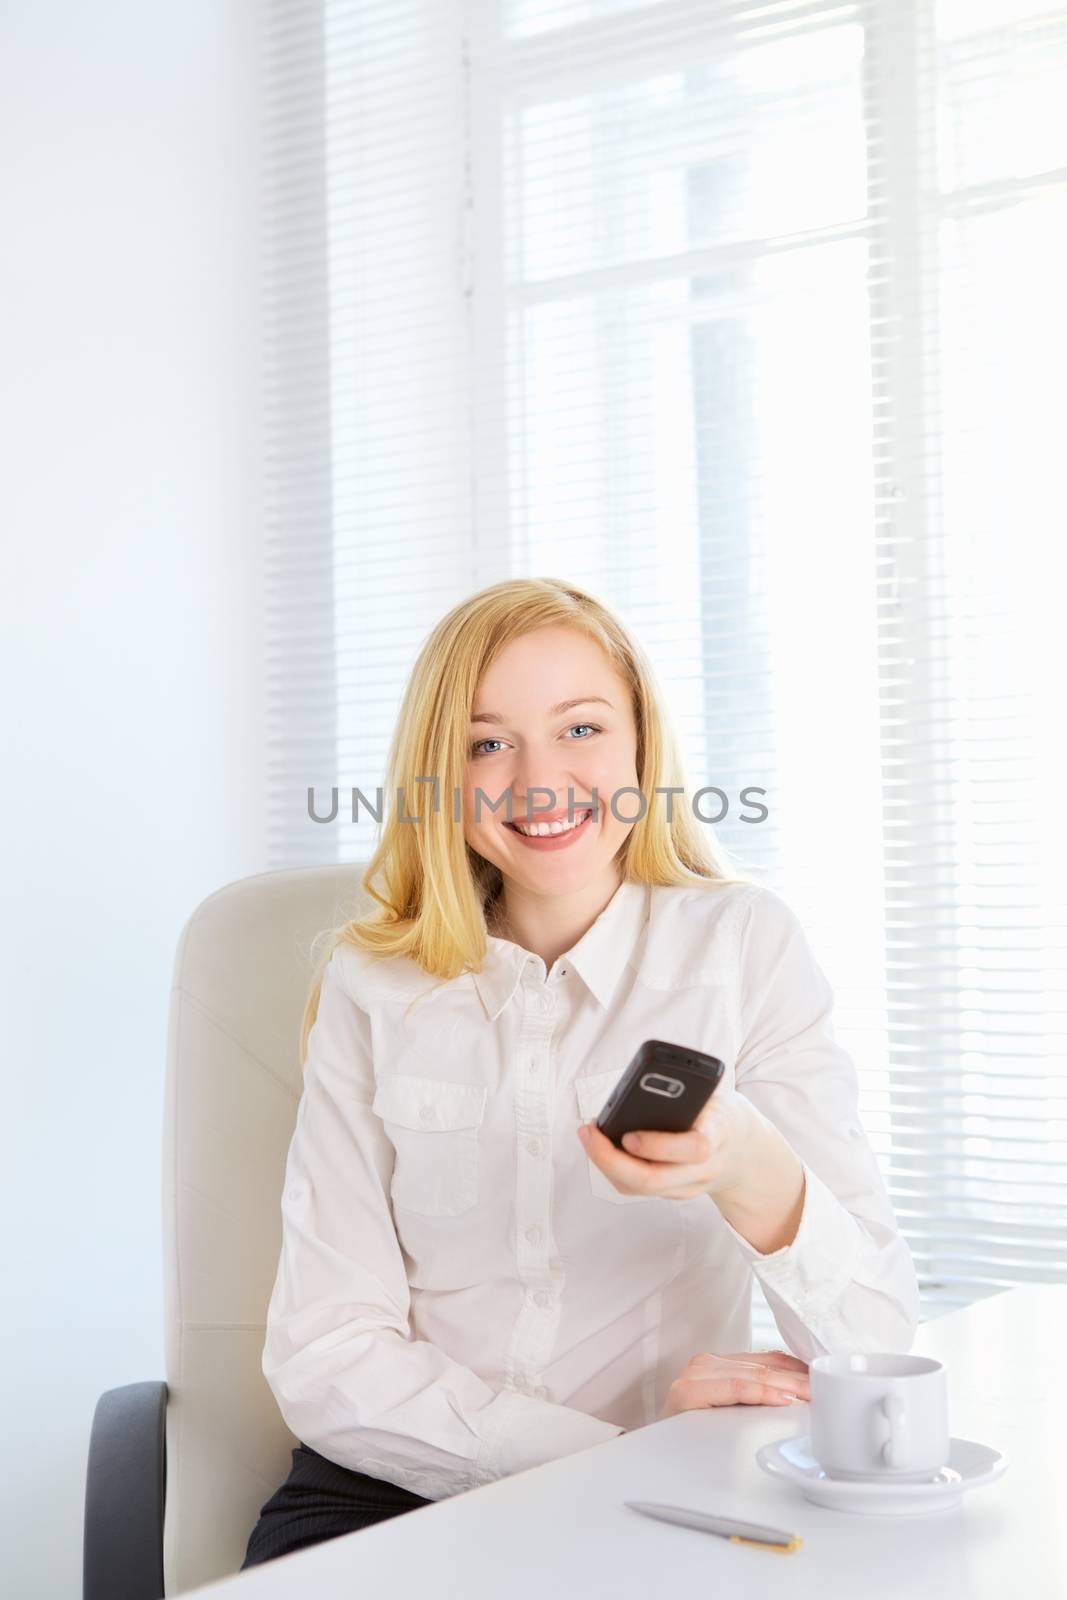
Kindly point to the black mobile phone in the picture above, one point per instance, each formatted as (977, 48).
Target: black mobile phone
(665, 1088)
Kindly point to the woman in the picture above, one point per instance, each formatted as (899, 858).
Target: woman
(473, 1279)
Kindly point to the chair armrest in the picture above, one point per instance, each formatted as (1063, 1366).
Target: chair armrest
(125, 1495)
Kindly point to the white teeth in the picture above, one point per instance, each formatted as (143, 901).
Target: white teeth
(539, 830)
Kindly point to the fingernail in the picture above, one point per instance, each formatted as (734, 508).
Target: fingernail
(583, 1133)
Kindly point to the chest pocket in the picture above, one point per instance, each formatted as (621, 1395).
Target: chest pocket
(433, 1126)
(592, 1092)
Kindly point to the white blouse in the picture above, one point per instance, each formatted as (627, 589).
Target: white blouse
(461, 1293)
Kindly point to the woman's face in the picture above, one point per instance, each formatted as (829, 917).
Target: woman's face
(521, 741)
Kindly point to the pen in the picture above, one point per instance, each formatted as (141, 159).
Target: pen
(726, 1527)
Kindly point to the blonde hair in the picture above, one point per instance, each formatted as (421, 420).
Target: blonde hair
(432, 887)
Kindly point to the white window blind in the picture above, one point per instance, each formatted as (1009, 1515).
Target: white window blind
(747, 316)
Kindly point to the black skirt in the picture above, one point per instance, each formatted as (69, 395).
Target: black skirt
(321, 1500)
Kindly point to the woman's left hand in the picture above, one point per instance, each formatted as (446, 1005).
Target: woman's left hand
(712, 1157)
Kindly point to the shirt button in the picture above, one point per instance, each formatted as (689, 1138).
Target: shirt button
(535, 1066)
(296, 1192)
(543, 1297)
(533, 1234)
(539, 1391)
(534, 1146)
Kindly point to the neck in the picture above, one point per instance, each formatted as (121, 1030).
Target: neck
(549, 925)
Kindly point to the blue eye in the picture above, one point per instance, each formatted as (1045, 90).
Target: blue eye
(476, 750)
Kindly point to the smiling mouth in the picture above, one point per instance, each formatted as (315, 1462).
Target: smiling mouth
(550, 830)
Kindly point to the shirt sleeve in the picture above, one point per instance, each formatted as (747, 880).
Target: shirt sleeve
(847, 1282)
(349, 1379)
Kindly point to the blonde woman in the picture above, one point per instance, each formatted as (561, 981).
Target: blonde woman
(473, 1279)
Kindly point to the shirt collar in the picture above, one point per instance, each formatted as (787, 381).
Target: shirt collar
(599, 957)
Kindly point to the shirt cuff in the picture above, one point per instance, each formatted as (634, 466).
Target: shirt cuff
(520, 1431)
(810, 1273)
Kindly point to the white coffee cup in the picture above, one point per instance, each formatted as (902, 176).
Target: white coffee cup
(879, 1416)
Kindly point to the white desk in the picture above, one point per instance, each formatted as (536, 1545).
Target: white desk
(561, 1530)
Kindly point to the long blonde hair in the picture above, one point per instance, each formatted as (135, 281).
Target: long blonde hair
(432, 887)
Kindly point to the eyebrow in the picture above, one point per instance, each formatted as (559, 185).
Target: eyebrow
(553, 711)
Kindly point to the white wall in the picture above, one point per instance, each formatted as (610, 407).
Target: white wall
(132, 755)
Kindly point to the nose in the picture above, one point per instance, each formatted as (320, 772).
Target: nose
(536, 791)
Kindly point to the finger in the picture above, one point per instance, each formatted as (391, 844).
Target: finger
(638, 1174)
(740, 1389)
(787, 1378)
(707, 1357)
(788, 1383)
(758, 1360)
(651, 1144)
(781, 1382)
(755, 1393)
(752, 1392)
(614, 1163)
(782, 1358)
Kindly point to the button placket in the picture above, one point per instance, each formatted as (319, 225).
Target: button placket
(535, 1326)
(534, 1176)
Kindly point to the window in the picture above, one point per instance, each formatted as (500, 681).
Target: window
(746, 315)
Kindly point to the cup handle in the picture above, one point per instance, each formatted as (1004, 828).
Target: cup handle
(894, 1447)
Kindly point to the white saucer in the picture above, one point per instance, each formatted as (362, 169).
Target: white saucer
(969, 1466)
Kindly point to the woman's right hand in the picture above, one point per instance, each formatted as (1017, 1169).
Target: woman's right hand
(753, 1378)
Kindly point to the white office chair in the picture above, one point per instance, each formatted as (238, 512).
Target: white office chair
(178, 1470)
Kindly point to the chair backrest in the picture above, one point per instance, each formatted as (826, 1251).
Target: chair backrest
(242, 973)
